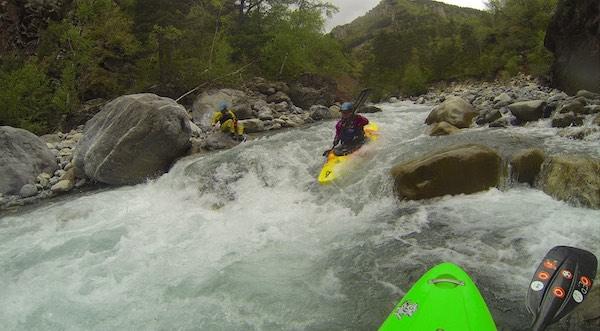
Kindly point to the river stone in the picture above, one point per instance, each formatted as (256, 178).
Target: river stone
(278, 97)
(574, 106)
(443, 129)
(592, 109)
(527, 111)
(23, 156)
(502, 100)
(134, 137)
(489, 116)
(253, 125)
(573, 179)
(565, 120)
(62, 186)
(369, 110)
(28, 190)
(456, 170)
(588, 95)
(455, 111)
(526, 165)
(319, 112)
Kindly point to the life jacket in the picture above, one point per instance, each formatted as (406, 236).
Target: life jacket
(225, 116)
(352, 134)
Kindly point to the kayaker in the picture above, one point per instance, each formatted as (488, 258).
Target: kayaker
(226, 120)
(349, 131)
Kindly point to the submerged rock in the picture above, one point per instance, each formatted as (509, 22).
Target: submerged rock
(443, 129)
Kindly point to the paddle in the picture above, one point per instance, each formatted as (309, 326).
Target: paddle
(360, 100)
(560, 283)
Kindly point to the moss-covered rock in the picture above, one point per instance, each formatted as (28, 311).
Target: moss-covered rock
(575, 179)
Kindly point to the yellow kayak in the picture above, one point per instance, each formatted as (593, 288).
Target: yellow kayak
(335, 165)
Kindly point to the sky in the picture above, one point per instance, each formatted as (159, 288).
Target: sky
(351, 9)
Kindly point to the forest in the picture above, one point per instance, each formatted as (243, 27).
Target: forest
(57, 56)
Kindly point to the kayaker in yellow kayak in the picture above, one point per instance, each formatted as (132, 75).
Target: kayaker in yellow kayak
(348, 131)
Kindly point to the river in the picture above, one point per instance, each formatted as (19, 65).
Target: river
(246, 239)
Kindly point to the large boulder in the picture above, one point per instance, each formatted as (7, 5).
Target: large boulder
(527, 111)
(208, 102)
(573, 35)
(459, 169)
(23, 156)
(455, 111)
(573, 179)
(319, 112)
(134, 137)
(312, 89)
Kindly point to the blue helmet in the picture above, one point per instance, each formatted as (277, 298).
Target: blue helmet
(222, 105)
(347, 106)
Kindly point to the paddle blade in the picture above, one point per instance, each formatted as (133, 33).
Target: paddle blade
(560, 283)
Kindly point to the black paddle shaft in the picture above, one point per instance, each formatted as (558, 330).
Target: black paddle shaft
(560, 283)
(360, 100)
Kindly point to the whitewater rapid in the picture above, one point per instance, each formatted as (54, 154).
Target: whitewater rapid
(246, 239)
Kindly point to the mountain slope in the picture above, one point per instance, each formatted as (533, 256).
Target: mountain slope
(398, 15)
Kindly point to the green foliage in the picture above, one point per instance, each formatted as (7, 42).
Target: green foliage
(414, 80)
(105, 48)
(451, 43)
(25, 96)
(297, 45)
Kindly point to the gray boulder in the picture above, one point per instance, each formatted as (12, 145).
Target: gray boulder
(502, 100)
(134, 137)
(527, 111)
(23, 156)
(455, 111)
(574, 106)
(572, 36)
(488, 116)
(278, 97)
(319, 112)
(28, 190)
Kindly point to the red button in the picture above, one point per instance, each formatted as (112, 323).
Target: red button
(558, 292)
